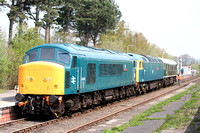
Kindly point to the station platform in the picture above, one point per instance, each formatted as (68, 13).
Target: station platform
(7, 98)
(8, 109)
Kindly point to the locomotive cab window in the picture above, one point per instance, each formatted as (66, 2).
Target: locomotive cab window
(140, 64)
(31, 56)
(47, 53)
(136, 64)
(63, 57)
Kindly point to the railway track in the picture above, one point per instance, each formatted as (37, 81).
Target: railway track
(9, 123)
(125, 109)
(27, 126)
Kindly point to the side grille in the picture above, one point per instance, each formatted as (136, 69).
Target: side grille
(67, 79)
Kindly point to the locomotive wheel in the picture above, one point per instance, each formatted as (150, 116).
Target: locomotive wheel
(122, 93)
(138, 90)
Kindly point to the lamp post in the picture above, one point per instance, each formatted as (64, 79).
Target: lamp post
(128, 47)
(135, 40)
(180, 64)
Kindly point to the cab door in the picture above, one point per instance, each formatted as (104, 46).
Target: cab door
(72, 78)
(139, 71)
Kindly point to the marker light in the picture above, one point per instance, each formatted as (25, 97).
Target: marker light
(56, 86)
(45, 79)
(47, 100)
(31, 79)
(60, 99)
(21, 104)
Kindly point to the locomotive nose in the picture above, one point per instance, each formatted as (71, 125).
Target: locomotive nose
(41, 78)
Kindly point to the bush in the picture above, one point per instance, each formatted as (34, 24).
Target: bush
(3, 61)
(12, 57)
(20, 44)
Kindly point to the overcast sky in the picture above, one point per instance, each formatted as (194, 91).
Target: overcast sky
(170, 24)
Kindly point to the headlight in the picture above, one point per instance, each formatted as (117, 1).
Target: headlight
(19, 97)
(53, 98)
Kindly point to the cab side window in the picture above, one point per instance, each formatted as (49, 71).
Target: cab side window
(135, 63)
(63, 57)
(31, 56)
(140, 64)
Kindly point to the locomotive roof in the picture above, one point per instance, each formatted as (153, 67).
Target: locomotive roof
(138, 57)
(145, 58)
(168, 61)
(90, 52)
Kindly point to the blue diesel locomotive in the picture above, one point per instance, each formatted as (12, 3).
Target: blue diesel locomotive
(59, 78)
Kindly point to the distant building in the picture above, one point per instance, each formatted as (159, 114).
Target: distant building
(187, 70)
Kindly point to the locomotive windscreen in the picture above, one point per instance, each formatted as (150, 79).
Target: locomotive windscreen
(44, 54)
(31, 56)
(47, 53)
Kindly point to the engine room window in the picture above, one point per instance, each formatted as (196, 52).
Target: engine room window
(110, 69)
(47, 53)
(63, 57)
(31, 56)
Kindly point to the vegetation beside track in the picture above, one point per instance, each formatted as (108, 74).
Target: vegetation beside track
(184, 115)
(3, 91)
(137, 120)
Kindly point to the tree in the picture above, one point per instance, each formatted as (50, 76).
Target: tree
(21, 15)
(12, 15)
(51, 13)
(66, 17)
(187, 60)
(94, 17)
(29, 38)
(118, 39)
(123, 39)
(59, 36)
(16, 14)
(34, 15)
(66, 14)
(3, 60)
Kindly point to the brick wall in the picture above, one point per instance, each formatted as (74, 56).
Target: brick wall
(9, 113)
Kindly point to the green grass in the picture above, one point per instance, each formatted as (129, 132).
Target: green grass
(137, 119)
(198, 128)
(183, 116)
(3, 91)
